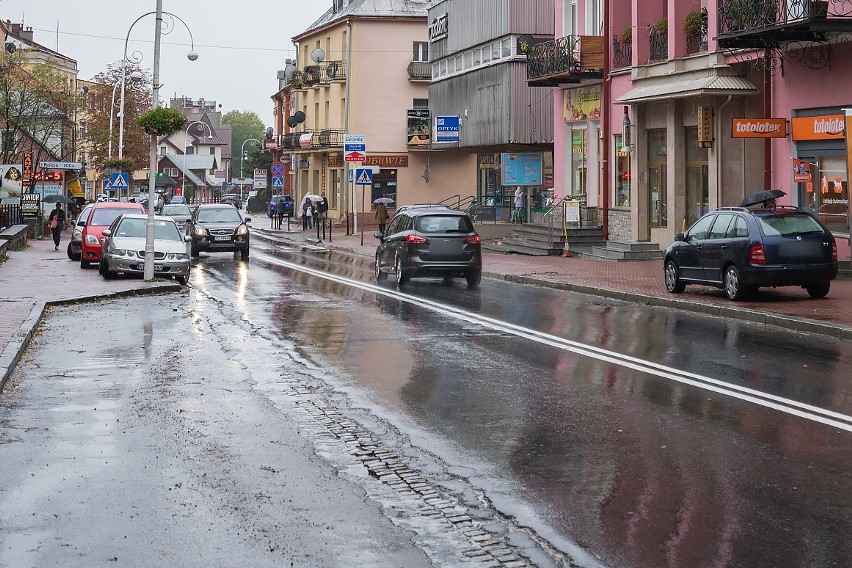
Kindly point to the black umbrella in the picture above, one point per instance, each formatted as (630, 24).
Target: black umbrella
(57, 198)
(761, 196)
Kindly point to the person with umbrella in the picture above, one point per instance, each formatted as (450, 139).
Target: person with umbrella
(307, 214)
(57, 221)
(381, 213)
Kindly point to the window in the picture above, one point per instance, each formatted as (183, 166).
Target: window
(173, 172)
(82, 130)
(622, 173)
(162, 150)
(421, 51)
(720, 227)
(212, 150)
(738, 228)
(420, 103)
(468, 60)
(698, 232)
(594, 17)
(506, 48)
(459, 63)
(477, 57)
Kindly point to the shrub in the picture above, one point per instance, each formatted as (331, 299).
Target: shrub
(626, 36)
(661, 26)
(693, 23)
(162, 121)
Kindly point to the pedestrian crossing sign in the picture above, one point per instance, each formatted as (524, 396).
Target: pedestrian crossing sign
(119, 181)
(363, 176)
(277, 183)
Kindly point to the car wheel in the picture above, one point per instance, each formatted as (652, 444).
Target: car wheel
(244, 254)
(402, 276)
(71, 254)
(734, 287)
(105, 271)
(473, 278)
(85, 263)
(193, 250)
(380, 276)
(819, 289)
(181, 280)
(673, 282)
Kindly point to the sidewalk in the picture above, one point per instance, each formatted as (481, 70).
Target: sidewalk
(639, 281)
(38, 277)
(33, 279)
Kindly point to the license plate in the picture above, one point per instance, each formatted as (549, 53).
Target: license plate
(222, 238)
(158, 267)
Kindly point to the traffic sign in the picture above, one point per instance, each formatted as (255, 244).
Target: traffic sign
(363, 176)
(354, 148)
(277, 170)
(278, 183)
(119, 181)
(60, 165)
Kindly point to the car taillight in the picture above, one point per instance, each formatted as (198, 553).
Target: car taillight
(757, 254)
(415, 240)
(474, 240)
(833, 252)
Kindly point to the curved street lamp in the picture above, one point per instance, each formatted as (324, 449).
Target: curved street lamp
(135, 75)
(186, 145)
(242, 155)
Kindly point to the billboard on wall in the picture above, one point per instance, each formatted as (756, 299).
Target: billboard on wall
(418, 128)
(582, 104)
(11, 180)
(521, 168)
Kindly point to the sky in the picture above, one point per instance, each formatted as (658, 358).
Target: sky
(241, 44)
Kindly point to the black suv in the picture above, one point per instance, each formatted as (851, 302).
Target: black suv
(429, 242)
(740, 250)
(218, 227)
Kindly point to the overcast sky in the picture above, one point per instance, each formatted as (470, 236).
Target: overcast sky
(241, 44)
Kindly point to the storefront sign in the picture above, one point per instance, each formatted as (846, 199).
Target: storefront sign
(488, 161)
(824, 127)
(335, 161)
(439, 27)
(582, 104)
(397, 161)
(521, 168)
(28, 169)
(30, 204)
(759, 128)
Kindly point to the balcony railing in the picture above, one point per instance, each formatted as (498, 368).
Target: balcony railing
(570, 59)
(319, 139)
(419, 71)
(768, 23)
(622, 54)
(659, 45)
(315, 75)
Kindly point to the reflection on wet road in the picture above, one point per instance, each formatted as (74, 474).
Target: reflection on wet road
(588, 410)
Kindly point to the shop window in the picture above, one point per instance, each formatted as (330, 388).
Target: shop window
(697, 178)
(622, 173)
(832, 199)
(657, 191)
(579, 161)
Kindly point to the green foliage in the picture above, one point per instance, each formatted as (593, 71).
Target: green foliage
(661, 26)
(123, 164)
(694, 23)
(244, 126)
(626, 36)
(162, 121)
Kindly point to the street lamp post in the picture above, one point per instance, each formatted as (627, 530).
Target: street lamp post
(135, 75)
(242, 155)
(186, 145)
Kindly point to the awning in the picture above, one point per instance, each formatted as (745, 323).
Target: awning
(716, 85)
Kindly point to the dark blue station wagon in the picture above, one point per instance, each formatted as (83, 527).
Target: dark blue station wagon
(741, 250)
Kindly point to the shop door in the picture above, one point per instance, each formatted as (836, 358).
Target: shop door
(657, 206)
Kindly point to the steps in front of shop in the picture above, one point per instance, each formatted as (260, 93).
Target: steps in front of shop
(539, 240)
(614, 250)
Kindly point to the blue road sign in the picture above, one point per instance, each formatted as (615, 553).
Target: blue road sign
(277, 170)
(363, 176)
(278, 183)
(119, 181)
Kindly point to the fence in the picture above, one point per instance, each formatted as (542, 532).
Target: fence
(10, 214)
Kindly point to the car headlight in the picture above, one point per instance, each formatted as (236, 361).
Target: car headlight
(242, 230)
(200, 232)
(118, 252)
(78, 234)
(177, 256)
(92, 240)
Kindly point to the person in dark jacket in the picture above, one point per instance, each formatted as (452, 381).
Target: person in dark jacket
(57, 220)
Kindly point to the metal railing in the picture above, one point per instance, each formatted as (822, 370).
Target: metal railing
(419, 71)
(659, 43)
(744, 15)
(622, 54)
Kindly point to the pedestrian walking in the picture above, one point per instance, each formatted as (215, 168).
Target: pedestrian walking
(519, 206)
(57, 220)
(381, 215)
(279, 210)
(273, 209)
(322, 208)
(307, 215)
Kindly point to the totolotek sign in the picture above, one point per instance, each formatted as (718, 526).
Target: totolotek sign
(759, 128)
(439, 27)
(823, 127)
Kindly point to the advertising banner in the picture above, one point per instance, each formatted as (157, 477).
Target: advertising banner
(11, 180)
(802, 171)
(521, 168)
(582, 104)
(418, 130)
(447, 128)
(759, 128)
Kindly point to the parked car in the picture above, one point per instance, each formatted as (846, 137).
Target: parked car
(101, 216)
(429, 241)
(741, 250)
(123, 248)
(218, 227)
(276, 200)
(74, 247)
(180, 212)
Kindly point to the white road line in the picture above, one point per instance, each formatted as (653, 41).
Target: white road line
(802, 410)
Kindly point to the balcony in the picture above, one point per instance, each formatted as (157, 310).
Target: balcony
(746, 24)
(622, 54)
(419, 71)
(570, 59)
(313, 140)
(659, 46)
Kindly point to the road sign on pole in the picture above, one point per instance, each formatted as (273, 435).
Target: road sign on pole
(354, 148)
(363, 176)
(119, 181)
(277, 170)
(278, 183)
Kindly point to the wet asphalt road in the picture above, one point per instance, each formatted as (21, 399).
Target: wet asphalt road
(608, 458)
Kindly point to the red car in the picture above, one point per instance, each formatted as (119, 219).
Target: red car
(101, 216)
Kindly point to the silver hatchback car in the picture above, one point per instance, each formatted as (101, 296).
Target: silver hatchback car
(123, 248)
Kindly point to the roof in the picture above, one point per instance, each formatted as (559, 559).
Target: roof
(371, 9)
(712, 85)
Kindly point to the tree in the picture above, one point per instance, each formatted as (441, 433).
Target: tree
(137, 100)
(245, 125)
(35, 105)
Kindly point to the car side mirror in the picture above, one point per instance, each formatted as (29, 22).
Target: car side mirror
(187, 239)
(379, 235)
(248, 220)
(107, 232)
(680, 237)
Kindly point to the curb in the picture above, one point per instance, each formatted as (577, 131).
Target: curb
(748, 315)
(19, 342)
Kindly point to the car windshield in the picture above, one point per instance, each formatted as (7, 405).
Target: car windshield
(105, 217)
(788, 225)
(224, 215)
(176, 210)
(443, 224)
(135, 229)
